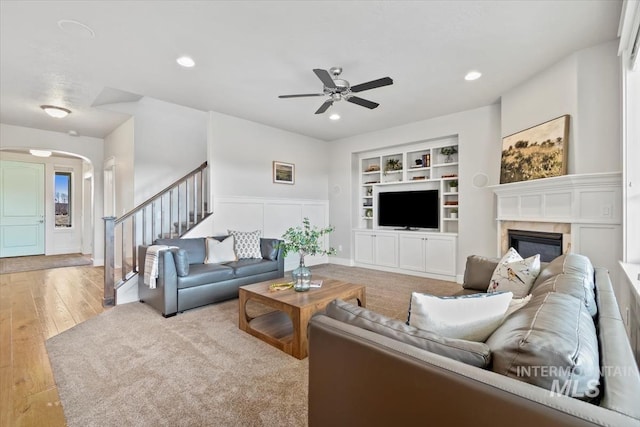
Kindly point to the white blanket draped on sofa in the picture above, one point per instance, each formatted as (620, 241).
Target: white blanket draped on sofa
(151, 264)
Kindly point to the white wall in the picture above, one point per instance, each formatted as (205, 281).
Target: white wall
(119, 149)
(631, 175)
(170, 141)
(585, 85)
(242, 152)
(88, 148)
(478, 133)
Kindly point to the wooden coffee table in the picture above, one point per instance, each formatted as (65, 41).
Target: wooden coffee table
(286, 328)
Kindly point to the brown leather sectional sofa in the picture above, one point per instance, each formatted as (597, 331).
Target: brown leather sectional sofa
(360, 376)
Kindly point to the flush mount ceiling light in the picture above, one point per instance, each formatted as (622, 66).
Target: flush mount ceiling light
(473, 75)
(40, 153)
(76, 29)
(334, 117)
(186, 61)
(57, 112)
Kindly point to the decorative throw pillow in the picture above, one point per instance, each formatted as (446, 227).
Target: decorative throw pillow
(247, 243)
(514, 274)
(516, 304)
(469, 317)
(219, 252)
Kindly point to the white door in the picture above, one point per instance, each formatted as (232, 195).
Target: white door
(386, 249)
(412, 252)
(441, 255)
(364, 248)
(21, 209)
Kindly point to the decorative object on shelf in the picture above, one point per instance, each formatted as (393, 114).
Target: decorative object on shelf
(284, 173)
(369, 191)
(537, 152)
(369, 213)
(450, 175)
(418, 178)
(453, 214)
(304, 240)
(373, 168)
(448, 151)
(392, 165)
(453, 186)
(426, 160)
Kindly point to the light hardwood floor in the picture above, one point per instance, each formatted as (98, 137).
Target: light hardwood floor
(35, 306)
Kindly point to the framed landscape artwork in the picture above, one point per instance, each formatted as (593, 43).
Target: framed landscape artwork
(537, 152)
(284, 173)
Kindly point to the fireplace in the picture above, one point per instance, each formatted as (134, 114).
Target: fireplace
(529, 243)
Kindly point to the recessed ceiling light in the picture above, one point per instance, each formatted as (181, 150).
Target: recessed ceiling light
(473, 75)
(334, 117)
(57, 112)
(40, 153)
(186, 61)
(73, 132)
(76, 29)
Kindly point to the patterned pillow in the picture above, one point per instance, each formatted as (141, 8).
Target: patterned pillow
(514, 274)
(468, 317)
(247, 243)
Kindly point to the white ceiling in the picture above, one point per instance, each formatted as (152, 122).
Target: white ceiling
(249, 52)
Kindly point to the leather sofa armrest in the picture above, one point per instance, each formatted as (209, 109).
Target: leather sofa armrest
(275, 243)
(164, 297)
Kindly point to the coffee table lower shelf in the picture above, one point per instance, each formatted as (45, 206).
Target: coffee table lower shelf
(285, 328)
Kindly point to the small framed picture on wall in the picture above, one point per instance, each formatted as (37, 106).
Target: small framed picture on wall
(284, 173)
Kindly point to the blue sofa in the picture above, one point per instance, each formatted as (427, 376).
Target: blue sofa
(204, 283)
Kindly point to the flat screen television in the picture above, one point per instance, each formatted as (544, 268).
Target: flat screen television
(409, 209)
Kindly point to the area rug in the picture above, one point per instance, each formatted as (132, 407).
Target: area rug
(42, 262)
(129, 366)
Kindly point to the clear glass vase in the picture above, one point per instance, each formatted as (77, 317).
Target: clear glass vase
(301, 277)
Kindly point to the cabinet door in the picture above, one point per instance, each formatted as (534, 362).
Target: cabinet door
(440, 255)
(386, 250)
(364, 248)
(412, 254)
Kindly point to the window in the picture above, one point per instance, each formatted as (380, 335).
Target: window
(63, 199)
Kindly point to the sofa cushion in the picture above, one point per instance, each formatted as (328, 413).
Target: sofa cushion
(576, 285)
(568, 263)
(269, 249)
(551, 343)
(472, 353)
(202, 274)
(514, 274)
(220, 251)
(470, 317)
(194, 247)
(251, 267)
(181, 260)
(478, 272)
(247, 243)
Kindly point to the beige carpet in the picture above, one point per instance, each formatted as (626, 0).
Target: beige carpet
(131, 367)
(42, 262)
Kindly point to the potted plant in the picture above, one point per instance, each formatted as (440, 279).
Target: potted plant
(453, 186)
(392, 165)
(448, 151)
(454, 213)
(304, 240)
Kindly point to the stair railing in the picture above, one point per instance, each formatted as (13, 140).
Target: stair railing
(168, 214)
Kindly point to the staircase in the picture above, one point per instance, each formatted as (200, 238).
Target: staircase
(168, 214)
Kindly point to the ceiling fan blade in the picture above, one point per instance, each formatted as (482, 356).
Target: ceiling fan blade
(325, 77)
(363, 102)
(301, 95)
(385, 81)
(328, 103)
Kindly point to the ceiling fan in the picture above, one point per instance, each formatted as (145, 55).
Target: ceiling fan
(338, 89)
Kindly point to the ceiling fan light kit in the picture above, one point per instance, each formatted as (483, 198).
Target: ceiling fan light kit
(338, 89)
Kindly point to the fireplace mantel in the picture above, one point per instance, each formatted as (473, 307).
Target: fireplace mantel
(575, 199)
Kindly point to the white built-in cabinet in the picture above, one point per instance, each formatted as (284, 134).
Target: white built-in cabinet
(410, 167)
(417, 167)
(376, 248)
(428, 253)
